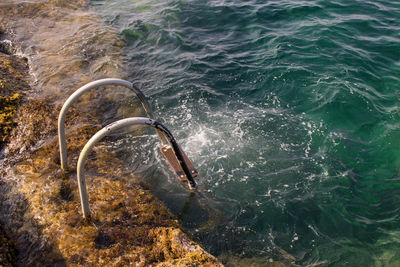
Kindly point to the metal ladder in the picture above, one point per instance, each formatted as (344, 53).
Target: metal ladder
(172, 152)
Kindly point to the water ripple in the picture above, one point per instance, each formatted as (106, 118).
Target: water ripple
(290, 110)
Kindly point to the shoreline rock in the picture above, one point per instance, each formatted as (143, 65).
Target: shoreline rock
(39, 203)
(12, 89)
(12, 85)
(128, 224)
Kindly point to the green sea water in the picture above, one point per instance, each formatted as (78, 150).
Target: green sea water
(289, 109)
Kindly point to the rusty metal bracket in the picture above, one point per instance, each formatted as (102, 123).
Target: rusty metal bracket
(169, 155)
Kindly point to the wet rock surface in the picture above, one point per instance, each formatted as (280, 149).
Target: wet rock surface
(128, 225)
(40, 213)
(12, 88)
(65, 43)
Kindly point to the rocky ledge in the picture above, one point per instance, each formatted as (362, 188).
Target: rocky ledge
(41, 222)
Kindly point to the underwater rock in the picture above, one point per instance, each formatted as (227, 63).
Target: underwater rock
(232, 261)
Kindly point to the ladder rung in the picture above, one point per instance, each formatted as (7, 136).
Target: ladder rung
(169, 155)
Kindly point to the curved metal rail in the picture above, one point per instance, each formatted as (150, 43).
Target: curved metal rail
(83, 89)
(111, 128)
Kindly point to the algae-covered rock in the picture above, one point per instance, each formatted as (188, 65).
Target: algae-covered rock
(8, 109)
(39, 203)
(12, 87)
(37, 120)
(13, 75)
(128, 225)
(172, 245)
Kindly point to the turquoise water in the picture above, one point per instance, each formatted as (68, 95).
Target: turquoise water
(290, 110)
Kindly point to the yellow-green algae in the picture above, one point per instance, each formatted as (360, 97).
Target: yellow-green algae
(8, 108)
(12, 86)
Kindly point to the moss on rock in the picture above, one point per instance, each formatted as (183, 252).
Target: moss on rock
(12, 86)
(172, 245)
(13, 73)
(8, 109)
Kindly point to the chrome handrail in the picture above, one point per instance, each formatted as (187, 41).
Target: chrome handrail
(111, 128)
(83, 89)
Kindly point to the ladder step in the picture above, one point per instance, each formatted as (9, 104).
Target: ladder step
(169, 155)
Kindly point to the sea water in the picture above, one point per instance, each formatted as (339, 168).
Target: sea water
(289, 109)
